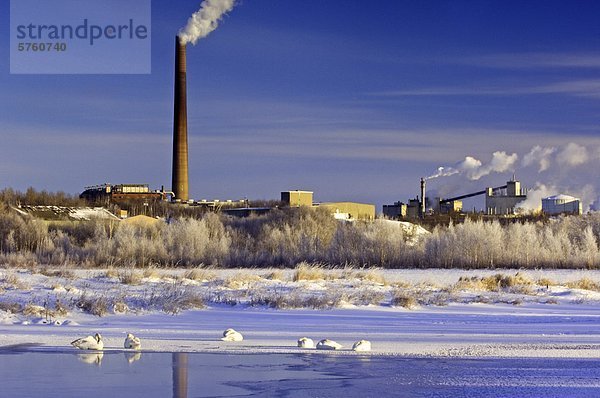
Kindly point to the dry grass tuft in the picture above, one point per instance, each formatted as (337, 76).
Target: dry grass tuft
(176, 297)
(120, 308)
(584, 284)
(93, 305)
(401, 284)
(60, 309)
(240, 280)
(470, 283)
(517, 283)
(295, 298)
(545, 282)
(57, 273)
(366, 297)
(21, 260)
(307, 272)
(151, 272)
(368, 275)
(111, 273)
(440, 299)
(12, 281)
(275, 275)
(38, 311)
(13, 308)
(130, 277)
(200, 275)
(34, 310)
(401, 298)
(551, 300)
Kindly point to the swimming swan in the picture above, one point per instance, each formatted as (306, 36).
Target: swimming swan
(132, 342)
(89, 343)
(362, 345)
(232, 335)
(327, 344)
(305, 342)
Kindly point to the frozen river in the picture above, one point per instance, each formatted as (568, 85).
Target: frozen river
(25, 373)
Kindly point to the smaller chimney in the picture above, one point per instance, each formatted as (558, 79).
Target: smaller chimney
(423, 197)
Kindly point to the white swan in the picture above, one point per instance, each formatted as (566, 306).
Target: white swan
(327, 344)
(132, 342)
(362, 345)
(89, 343)
(232, 335)
(305, 342)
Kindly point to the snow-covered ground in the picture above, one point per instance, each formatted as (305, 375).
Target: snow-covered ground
(539, 318)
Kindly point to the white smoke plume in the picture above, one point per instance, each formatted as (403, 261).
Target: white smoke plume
(544, 158)
(533, 203)
(500, 163)
(573, 155)
(205, 20)
(443, 172)
(596, 205)
(569, 169)
(467, 165)
(470, 164)
(474, 169)
(589, 197)
(539, 155)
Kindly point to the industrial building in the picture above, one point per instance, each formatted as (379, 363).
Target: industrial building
(561, 204)
(501, 200)
(121, 193)
(349, 210)
(504, 200)
(395, 211)
(340, 210)
(447, 206)
(417, 207)
(297, 198)
(413, 208)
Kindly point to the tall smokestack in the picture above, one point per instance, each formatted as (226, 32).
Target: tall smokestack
(180, 141)
(422, 197)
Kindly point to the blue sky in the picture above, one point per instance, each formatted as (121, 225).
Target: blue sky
(355, 100)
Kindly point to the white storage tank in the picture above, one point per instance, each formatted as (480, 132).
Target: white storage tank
(561, 204)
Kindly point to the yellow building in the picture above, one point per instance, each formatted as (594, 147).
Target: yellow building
(350, 210)
(340, 210)
(297, 198)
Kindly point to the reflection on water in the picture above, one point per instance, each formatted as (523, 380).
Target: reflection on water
(93, 358)
(132, 356)
(182, 375)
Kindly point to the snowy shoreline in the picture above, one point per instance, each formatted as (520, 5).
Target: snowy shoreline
(569, 331)
(543, 322)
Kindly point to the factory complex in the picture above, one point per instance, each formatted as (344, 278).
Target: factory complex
(500, 201)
